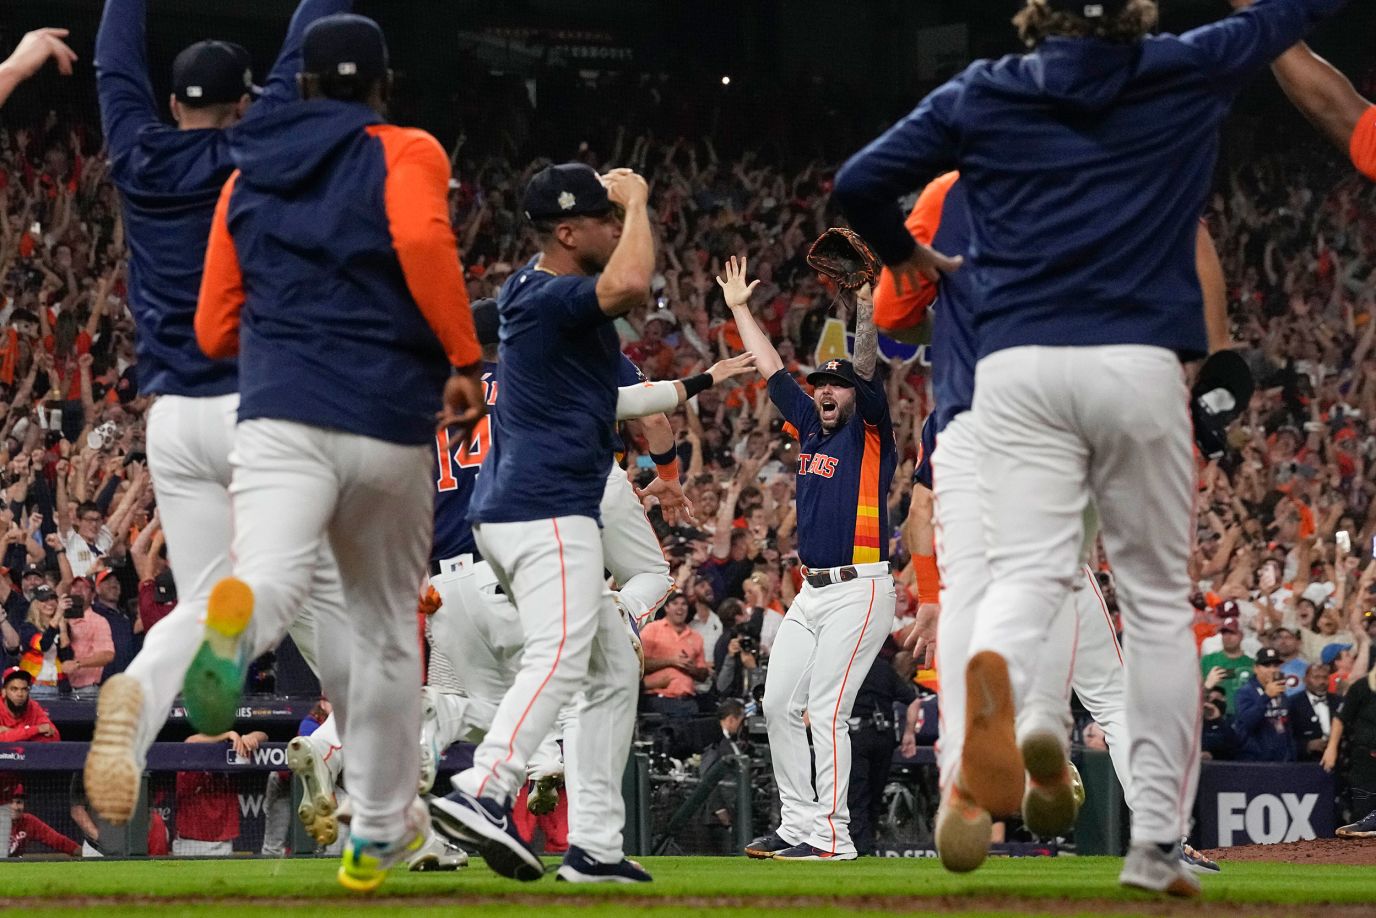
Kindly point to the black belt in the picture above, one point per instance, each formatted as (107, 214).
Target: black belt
(434, 568)
(826, 578)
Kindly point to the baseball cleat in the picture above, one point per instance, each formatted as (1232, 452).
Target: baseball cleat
(633, 631)
(580, 867)
(991, 764)
(318, 805)
(963, 832)
(487, 825)
(364, 864)
(806, 852)
(1048, 806)
(766, 846)
(1362, 828)
(1197, 862)
(430, 751)
(1077, 784)
(544, 794)
(112, 771)
(1149, 868)
(437, 854)
(215, 678)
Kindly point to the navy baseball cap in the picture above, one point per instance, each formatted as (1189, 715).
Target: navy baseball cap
(1266, 656)
(347, 45)
(565, 190)
(486, 322)
(831, 372)
(212, 73)
(1088, 9)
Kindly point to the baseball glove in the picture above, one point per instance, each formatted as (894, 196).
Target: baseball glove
(844, 257)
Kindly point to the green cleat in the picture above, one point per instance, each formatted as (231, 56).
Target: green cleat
(215, 679)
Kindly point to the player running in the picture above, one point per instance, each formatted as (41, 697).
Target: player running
(348, 321)
(1088, 301)
(169, 179)
(837, 623)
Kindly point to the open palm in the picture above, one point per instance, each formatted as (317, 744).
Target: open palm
(732, 282)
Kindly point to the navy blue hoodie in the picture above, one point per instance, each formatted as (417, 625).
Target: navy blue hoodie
(169, 180)
(1087, 164)
(331, 248)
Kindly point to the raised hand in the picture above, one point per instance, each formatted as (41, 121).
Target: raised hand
(732, 282)
(34, 50)
(731, 367)
(625, 187)
(673, 503)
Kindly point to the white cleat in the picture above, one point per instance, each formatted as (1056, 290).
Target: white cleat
(437, 854)
(112, 772)
(318, 804)
(1149, 868)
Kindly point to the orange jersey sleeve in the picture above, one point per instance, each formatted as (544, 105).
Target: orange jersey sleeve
(417, 200)
(1362, 147)
(896, 310)
(222, 285)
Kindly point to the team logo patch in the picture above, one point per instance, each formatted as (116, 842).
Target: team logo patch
(833, 365)
(567, 200)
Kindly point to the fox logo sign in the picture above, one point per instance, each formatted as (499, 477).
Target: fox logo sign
(1265, 819)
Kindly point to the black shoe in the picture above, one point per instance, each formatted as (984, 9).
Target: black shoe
(806, 852)
(579, 867)
(1362, 828)
(766, 846)
(486, 825)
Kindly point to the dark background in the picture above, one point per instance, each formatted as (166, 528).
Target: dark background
(808, 77)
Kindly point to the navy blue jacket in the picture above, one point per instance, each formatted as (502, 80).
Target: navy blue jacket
(332, 258)
(1087, 164)
(169, 180)
(1262, 726)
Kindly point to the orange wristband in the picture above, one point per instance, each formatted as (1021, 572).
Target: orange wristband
(668, 471)
(928, 578)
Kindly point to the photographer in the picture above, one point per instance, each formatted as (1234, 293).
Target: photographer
(1262, 722)
(738, 652)
(1218, 740)
(93, 645)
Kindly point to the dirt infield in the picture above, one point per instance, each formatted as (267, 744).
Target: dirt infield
(1356, 852)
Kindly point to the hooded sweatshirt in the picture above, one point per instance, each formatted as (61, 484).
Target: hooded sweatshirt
(1086, 164)
(332, 259)
(169, 180)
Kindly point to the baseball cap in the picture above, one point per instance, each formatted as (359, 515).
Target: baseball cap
(212, 73)
(1267, 656)
(486, 322)
(347, 45)
(1230, 626)
(565, 190)
(1088, 9)
(100, 576)
(832, 371)
(14, 672)
(44, 594)
(1227, 609)
(32, 570)
(165, 588)
(1330, 653)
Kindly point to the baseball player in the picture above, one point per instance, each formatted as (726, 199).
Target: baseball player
(343, 373)
(536, 506)
(837, 623)
(169, 178)
(1081, 648)
(1080, 393)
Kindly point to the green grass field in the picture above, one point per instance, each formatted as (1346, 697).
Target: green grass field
(684, 886)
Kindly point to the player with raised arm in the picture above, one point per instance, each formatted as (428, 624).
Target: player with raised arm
(835, 626)
(1084, 253)
(169, 178)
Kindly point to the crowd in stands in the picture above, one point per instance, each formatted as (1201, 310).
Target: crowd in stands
(1286, 585)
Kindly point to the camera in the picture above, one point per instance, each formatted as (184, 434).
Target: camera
(748, 642)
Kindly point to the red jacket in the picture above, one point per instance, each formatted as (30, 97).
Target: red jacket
(28, 827)
(24, 728)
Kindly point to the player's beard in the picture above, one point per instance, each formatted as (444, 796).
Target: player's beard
(843, 415)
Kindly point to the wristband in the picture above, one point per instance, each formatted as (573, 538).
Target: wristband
(928, 578)
(695, 384)
(666, 463)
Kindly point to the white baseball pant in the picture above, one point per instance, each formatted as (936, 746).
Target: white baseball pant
(189, 442)
(1060, 427)
(1080, 651)
(295, 488)
(574, 639)
(631, 550)
(824, 648)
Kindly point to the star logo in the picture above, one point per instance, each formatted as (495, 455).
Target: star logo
(834, 365)
(567, 200)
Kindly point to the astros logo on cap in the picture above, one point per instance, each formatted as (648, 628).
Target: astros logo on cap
(834, 365)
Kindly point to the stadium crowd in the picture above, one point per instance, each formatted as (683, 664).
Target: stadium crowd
(1286, 524)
